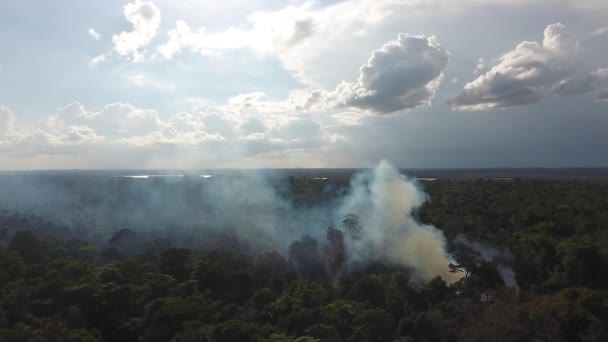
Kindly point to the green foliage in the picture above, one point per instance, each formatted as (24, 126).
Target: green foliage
(556, 235)
(175, 262)
(27, 245)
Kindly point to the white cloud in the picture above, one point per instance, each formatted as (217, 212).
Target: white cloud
(170, 136)
(523, 74)
(603, 96)
(114, 121)
(247, 125)
(182, 38)
(94, 34)
(480, 67)
(403, 74)
(7, 120)
(266, 32)
(144, 81)
(98, 59)
(71, 135)
(10, 134)
(145, 18)
(300, 35)
(599, 32)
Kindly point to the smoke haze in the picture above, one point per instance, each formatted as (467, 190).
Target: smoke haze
(256, 207)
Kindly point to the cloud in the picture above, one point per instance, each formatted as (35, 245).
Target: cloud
(182, 37)
(582, 84)
(599, 32)
(7, 120)
(480, 67)
(247, 125)
(603, 96)
(523, 74)
(10, 135)
(75, 124)
(71, 135)
(97, 59)
(265, 32)
(600, 73)
(403, 74)
(251, 123)
(144, 81)
(145, 18)
(300, 35)
(94, 34)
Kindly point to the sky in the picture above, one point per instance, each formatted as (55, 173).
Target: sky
(250, 84)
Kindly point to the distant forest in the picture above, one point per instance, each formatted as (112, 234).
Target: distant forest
(532, 256)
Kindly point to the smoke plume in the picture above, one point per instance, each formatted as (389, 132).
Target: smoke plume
(385, 200)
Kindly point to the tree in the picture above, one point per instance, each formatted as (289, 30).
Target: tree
(335, 252)
(174, 262)
(352, 226)
(466, 260)
(305, 257)
(27, 245)
(230, 331)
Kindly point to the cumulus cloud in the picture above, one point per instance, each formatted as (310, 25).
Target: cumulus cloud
(74, 124)
(299, 35)
(145, 18)
(70, 135)
(183, 38)
(302, 35)
(94, 34)
(266, 32)
(523, 74)
(9, 133)
(403, 74)
(247, 125)
(251, 123)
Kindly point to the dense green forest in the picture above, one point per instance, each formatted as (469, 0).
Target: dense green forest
(552, 235)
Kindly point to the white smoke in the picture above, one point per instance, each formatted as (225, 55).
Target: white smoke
(385, 201)
(502, 257)
(254, 206)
